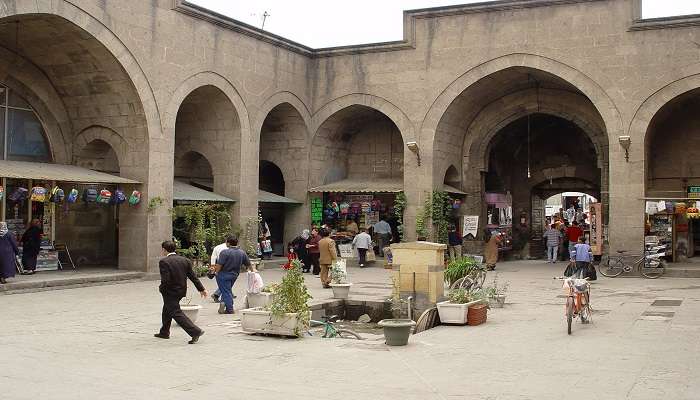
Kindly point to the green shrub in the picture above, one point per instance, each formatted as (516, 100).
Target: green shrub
(460, 268)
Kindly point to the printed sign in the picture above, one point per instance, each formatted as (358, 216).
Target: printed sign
(316, 211)
(470, 226)
(694, 192)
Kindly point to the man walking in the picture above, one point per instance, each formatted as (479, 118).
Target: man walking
(362, 242)
(327, 256)
(314, 252)
(582, 254)
(573, 232)
(553, 238)
(383, 231)
(228, 266)
(212, 261)
(174, 272)
(454, 241)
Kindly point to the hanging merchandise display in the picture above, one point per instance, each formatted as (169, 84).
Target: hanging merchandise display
(2, 192)
(135, 198)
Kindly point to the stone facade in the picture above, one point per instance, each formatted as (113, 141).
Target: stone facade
(158, 80)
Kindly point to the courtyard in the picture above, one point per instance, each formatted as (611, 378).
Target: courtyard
(96, 342)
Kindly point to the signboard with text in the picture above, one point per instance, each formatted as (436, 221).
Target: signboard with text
(316, 211)
(694, 192)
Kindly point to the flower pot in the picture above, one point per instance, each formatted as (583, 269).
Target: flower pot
(454, 313)
(191, 311)
(257, 320)
(497, 301)
(259, 300)
(477, 314)
(341, 290)
(397, 331)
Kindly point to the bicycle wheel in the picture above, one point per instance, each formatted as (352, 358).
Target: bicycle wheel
(650, 272)
(479, 279)
(569, 313)
(612, 267)
(465, 283)
(348, 334)
(585, 312)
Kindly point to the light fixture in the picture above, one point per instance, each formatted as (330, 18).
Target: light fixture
(528, 147)
(625, 142)
(413, 146)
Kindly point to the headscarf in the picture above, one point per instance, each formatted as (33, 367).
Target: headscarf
(305, 234)
(3, 228)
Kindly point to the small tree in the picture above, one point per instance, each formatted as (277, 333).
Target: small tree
(206, 223)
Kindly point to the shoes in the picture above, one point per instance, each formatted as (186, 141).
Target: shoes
(161, 336)
(195, 339)
(215, 298)
(223, 310)
(3, 280)
(362, 265)
(326, 286)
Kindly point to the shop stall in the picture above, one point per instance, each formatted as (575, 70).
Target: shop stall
(673, 222)
(499, 217)
(78, 209)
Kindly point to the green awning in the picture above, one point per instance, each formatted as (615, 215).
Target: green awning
(185, 192)
(57, 172)
(267, 197)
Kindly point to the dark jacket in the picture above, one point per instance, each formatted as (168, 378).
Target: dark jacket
(454, 239)
(31, 241)
(174, 271)
(8, 251)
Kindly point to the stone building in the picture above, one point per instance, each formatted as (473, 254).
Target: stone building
(152, 90)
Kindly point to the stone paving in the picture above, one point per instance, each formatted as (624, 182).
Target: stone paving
(96, 342)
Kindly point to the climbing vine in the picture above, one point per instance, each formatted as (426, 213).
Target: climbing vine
(433, 218)
(206, 224)
(399, 208)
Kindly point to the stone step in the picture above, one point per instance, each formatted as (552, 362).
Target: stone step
(682, 272)
(55, 283)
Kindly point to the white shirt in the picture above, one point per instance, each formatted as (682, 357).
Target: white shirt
(382, 227)
(362, 241)
(216, 251)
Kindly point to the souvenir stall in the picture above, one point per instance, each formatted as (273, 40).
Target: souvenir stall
(499, 217)
(76, 214)
(669, 222)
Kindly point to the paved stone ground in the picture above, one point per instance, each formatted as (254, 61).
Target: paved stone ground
(96, 342)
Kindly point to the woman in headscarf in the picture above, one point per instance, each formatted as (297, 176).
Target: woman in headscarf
(31, 246)
(299, 247)
(491, 250)
(8, 253)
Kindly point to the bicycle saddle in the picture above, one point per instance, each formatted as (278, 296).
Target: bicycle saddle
(329, 318)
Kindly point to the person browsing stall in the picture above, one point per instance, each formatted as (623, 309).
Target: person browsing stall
(362, 242)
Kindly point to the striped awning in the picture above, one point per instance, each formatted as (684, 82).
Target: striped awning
(361, 186)
(57, 172)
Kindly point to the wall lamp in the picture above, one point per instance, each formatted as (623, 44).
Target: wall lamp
(625, 142)
(413, 146)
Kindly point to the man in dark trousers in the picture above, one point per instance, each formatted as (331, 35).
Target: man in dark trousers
(229, 261)
(174, 271)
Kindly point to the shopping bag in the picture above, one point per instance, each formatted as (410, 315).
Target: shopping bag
(370, 255)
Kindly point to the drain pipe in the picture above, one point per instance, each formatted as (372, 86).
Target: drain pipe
(410, 310)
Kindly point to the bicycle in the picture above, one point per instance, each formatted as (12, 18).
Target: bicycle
(330, 331)
(650, 265)
(474, 279)
(578, 301)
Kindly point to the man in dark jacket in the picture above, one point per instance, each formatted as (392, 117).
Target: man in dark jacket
(174, 271)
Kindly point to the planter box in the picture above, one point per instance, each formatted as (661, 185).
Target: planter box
(341, 290)
(191, 311)
(452, 313)
(257, 320)
(259, 300)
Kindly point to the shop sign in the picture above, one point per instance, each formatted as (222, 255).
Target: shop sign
(372, 218)
(359, 198)
(470, 226)
(694, 192)
(316, 211)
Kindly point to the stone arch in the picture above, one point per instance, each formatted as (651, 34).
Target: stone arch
(196, 81)
(397, 116)
(97, 132)
(274, 101)
(196, 163)
(83, 20)
(591, 89)
(452, 176)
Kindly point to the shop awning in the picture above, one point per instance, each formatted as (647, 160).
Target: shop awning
(451, 189)
(185, 192)
(361, 186)
(267, 197)
(56, 172)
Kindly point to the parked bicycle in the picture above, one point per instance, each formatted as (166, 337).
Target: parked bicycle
(650, 265)
(578, 301)
(330, 331)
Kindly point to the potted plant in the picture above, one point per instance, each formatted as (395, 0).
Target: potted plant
(288, 314)
(456, 308)
(459, 268)
(496, 293)
(339, 284)
(264, 298)
(397, 330)
(189, 309)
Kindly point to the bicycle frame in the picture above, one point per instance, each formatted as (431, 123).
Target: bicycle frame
(329, 330)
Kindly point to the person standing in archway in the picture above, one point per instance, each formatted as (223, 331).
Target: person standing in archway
(552, 237)
(491, 251)
(31, 246)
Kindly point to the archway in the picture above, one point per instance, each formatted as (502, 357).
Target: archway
(358, 158)
(520, 126)
(284, 171)
(673, 173)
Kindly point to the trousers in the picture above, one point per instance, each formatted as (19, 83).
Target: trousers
(172, 311)
(314, 258)
(325, 280)
(225, 281)
(552, 252)
(362, 253)
(455, 251)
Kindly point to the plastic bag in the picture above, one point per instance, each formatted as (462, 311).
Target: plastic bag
(254, 283)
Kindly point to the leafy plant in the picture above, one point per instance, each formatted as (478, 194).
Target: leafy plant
(251, 238)
(338, 274)
(460, 268)
(495, 289)
(400, 203)
(292, 296)
(201, 270)
(206, 223)
(463, 296)
(270, 288)
(396, 303)
(154, 202)
(433, 219)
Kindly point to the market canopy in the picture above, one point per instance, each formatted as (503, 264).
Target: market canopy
(363, 185)
(451, 189)
(185, 192)
(208, 185)
(267, 197)
(56, 172)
